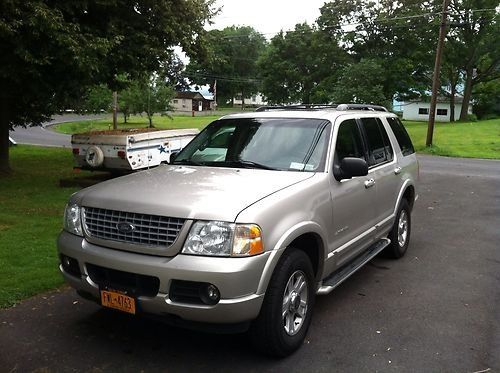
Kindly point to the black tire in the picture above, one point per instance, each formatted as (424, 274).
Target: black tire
(400, 232)
(268, 332)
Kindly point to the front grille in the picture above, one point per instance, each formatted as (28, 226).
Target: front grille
(133, 283)
(143, 229)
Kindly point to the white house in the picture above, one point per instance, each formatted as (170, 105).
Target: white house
(255, 100)
(419, 110)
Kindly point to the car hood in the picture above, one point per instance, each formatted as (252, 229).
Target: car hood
(208, 193)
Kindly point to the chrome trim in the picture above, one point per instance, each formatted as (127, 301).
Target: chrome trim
(145, 229)
(361, 236)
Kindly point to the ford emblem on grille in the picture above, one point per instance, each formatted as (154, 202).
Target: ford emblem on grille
(124, 227)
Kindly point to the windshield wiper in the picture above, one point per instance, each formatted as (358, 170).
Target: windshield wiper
(187, 162)
(252, 164)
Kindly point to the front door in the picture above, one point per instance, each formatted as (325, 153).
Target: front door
(353, 200)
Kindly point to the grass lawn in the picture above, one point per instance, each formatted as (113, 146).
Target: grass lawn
(137, 121)
(31, 210)
(459, 139)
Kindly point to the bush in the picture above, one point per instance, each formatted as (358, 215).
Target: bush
(490, 116)
(471, 118)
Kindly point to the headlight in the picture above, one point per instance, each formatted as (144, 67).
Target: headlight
(72, 220)
(216, 238)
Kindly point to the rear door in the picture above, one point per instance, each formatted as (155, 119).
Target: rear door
(382, 169)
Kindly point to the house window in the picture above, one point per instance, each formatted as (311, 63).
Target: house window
(442, 112)
(176, 101)
(423, 111)
(254, 98)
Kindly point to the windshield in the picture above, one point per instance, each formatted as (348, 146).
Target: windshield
(267, 143)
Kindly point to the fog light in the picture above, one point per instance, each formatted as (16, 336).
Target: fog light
(66, 262)
(213, 292)
(70, 265)
(210, 294)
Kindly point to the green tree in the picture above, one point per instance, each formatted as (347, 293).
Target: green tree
(361, 83)
(451, 73)
(399, 36)
(52, 51)
(487, 99)
(149, 95)
(300, 65)
(474, 31)
(231, 60)
(97, 99)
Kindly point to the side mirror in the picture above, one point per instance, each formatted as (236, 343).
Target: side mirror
(173, 155)
(349, 168)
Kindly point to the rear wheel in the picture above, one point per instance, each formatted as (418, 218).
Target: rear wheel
(286, 312)
(400, 233)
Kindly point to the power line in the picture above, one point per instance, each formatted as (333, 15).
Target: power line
(381, 20)
(233, 79)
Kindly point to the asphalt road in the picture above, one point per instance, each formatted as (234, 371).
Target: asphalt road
(437, 309)
(43, 136)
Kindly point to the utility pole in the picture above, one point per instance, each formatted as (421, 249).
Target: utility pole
(437, 70)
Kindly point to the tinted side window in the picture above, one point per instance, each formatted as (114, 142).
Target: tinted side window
(348, 141)
(401, 135)
(379, 146)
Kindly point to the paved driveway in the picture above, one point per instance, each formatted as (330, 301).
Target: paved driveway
(42, 135)
(437, 309)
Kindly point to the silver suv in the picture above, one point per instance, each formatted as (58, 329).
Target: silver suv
(253, 218)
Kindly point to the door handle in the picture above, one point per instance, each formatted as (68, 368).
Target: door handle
(369, 183)
(397, 170)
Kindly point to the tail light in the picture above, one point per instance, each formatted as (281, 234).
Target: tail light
(121, 154)
(76, 151)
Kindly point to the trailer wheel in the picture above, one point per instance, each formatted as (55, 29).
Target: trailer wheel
(94, 156)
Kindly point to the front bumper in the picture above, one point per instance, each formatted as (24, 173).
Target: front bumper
(236, 278)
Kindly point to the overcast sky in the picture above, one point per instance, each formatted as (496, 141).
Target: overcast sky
(266, 16)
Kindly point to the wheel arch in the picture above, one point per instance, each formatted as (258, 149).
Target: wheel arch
(407, 192)
(307, 237)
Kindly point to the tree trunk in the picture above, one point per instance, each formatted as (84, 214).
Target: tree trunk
(115, 110)
(467, 94)
(242, 102)
(125, 117)
(4, 138)
(452, 101)
(150, 118)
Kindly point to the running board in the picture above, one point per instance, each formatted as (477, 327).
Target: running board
(338, 277)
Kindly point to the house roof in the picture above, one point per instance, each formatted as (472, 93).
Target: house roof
(190, 95)
(440, 99)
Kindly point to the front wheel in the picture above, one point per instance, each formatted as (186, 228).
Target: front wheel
(286, 313)
(400, 233)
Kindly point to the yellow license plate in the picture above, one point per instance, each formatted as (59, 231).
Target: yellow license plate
(118, 301)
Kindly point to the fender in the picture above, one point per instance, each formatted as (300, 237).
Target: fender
(403, 189)
(286, 239)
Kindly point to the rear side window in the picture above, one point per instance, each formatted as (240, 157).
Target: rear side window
(379, 146)
(402, 136)
(348, 141)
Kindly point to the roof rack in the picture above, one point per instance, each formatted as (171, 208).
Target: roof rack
(298, 107)
(361, 107)
(340, 107)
